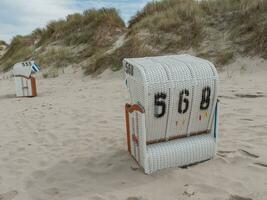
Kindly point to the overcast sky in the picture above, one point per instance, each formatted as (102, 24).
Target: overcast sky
(20, 17)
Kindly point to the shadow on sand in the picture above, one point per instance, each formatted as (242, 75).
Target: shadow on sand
(7, 96)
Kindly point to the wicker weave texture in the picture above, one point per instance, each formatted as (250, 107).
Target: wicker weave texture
(180, 152)
(179, 95)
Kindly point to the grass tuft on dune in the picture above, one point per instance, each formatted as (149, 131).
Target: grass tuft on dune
(218, 30)
(56, 45)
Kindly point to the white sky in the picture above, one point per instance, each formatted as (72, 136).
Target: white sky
(21, 17)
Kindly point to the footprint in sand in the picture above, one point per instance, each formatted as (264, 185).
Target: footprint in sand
(22, 161)
(243, 110)
(224, 153)
(8, 195)
(38, 174)
(226, 97)
(97, 198)
(52, 191)
(228, 154)
(246, 153)
(189, 191)
(249, 95)
(237, 197)
(246, 119)
(135, 198)
(100, 174)
(261, 164)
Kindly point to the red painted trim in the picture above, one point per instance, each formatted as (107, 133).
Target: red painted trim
(130, 109)
(34, 89)
(135, 107)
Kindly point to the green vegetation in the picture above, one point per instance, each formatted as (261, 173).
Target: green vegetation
(89, 27)
(133, 47)
(51, 73)
(214, 29)
(218, 30)
(58, 57)
(243, 21)
(181, 20)
(3, 43)
(20, 49)
(67, 41)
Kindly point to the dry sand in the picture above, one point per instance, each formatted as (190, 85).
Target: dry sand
(69, 142)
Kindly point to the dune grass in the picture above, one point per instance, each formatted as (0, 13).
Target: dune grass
(3, 43)
(51, 73)
(19, 50)
(182, 18)
(97, 29)
(133, 47)
(82, 28)
(176, 25)
(214, 29)
(218, 30)
(244, 20)
(56, 58)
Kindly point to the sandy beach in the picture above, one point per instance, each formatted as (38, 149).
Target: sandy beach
(69, 143)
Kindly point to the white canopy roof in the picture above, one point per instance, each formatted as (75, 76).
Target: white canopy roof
(23, 69)
(161, 85)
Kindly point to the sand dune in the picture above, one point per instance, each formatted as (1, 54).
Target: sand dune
(69, 142)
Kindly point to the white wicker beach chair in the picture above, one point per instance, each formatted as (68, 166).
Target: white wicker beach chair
(172, 119)
(24, 81)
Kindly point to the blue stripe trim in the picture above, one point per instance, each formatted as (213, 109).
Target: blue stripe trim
(35, 68)
(215, 121)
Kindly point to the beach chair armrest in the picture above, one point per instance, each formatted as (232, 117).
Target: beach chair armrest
(142, 137)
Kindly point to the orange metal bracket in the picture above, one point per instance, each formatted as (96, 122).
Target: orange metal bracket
(34, 90)
(130, 109)
(33, 84)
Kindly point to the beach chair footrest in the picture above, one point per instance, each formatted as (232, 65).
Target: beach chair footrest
(180, 152)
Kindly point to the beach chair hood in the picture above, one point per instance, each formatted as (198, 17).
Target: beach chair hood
(25, 69)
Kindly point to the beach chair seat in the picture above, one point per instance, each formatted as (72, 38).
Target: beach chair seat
(180, 152)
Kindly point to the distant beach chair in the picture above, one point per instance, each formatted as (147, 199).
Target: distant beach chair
(172, 119)
(24, 81)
